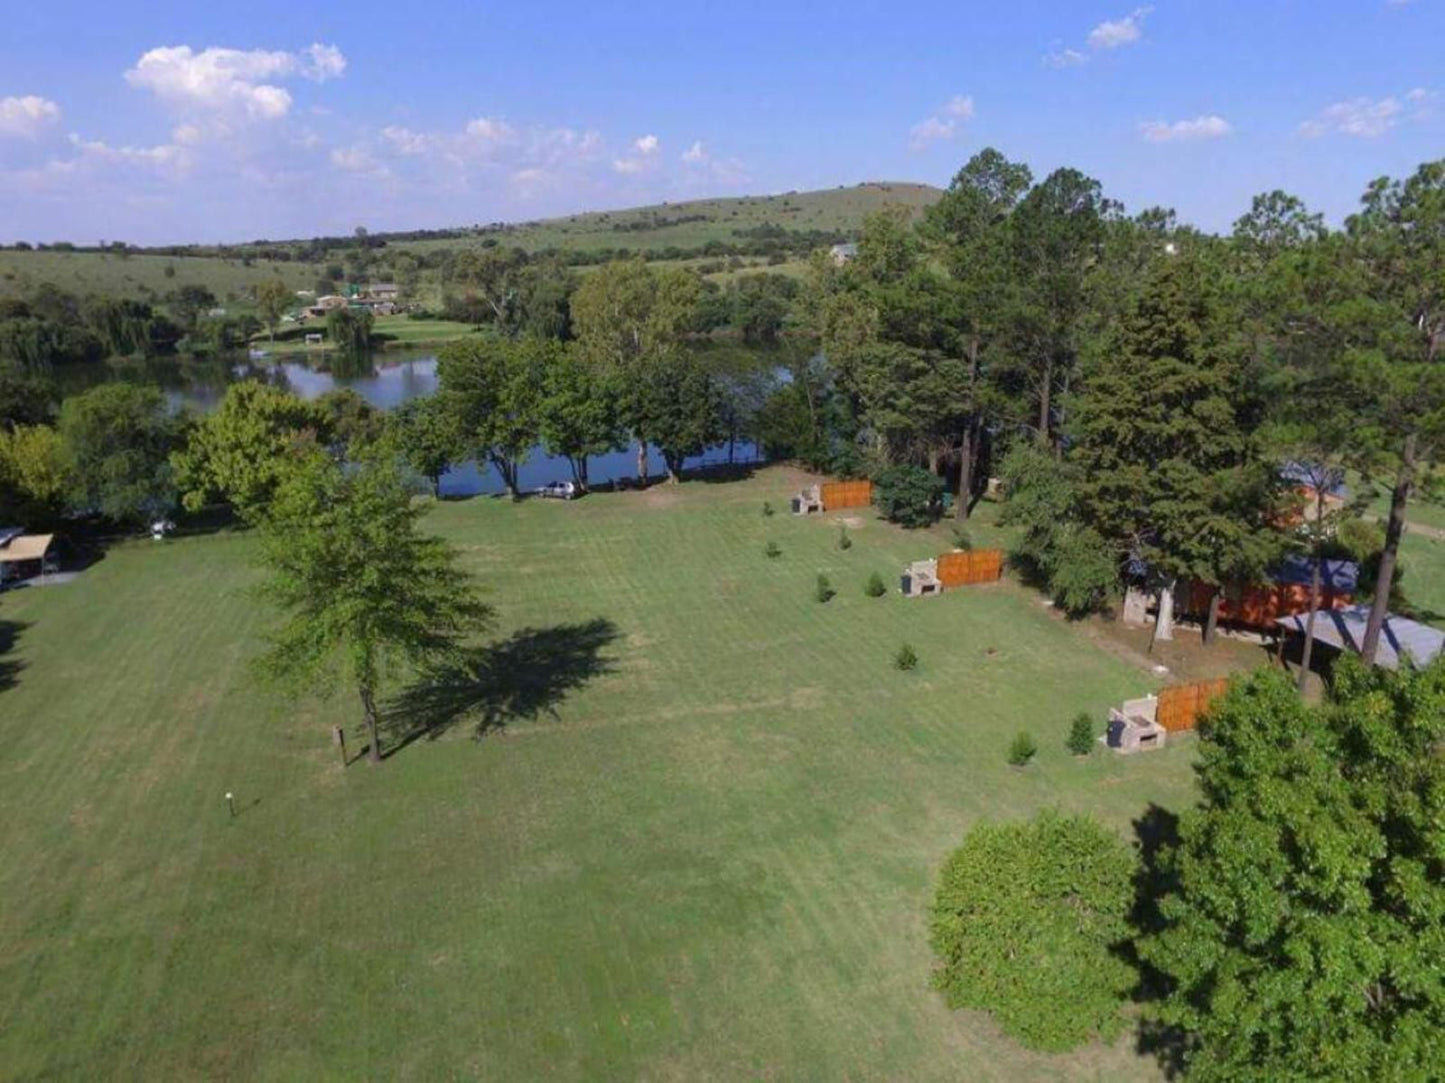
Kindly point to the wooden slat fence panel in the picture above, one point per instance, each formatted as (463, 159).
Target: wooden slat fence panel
(974, 566)
(1180, 706)
(838, 495)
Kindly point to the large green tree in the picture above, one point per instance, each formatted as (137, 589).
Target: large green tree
(120, 437)
(1169, 470)
(242, 450)
(682, 410)
(1398, 238)
(1302, 922)
(495, 386)
(273, 297)
(630, 319)
(427, 433)
(968, 229)
(367, 596)
(578, 416)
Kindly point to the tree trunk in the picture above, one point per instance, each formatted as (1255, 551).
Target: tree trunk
(1304, 663)
(1211, 622)
(1045, 390)
(436, 486)
(508, 469)
(674, 466)
(1164, 620)
(933, 460)
(1394, 529)
(966, 454)
(642, 461)
(368, 704)
(582, 473)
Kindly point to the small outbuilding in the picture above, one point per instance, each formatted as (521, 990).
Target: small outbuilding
(1344, 630)
(920, 579)
(1133, 728)
(24, 556)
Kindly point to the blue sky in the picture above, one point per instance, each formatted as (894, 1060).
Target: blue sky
(173, 121)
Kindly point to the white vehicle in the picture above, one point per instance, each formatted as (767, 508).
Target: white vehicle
(562, 490)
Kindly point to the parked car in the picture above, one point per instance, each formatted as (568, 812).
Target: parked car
(562, 490)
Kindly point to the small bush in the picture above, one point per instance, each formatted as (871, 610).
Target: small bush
(823, 591)
(962, 539)
(1081, 734)
(767, 510)
(909, 495)
(906, 658)
(1025, 925)
(772, 550)
(875, 587)
(1022, 749)
(845, 541)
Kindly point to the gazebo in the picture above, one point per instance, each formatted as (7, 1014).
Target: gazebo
(19, 551)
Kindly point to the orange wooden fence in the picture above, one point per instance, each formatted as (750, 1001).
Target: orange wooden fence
(847, 494)
(973, 566)
(1181, 705)
(1261, 606)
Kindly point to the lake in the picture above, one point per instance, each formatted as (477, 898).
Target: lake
(394, 377)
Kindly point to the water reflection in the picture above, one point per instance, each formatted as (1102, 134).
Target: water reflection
(391, 378)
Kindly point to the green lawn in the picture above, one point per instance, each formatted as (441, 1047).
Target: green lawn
(701, 846)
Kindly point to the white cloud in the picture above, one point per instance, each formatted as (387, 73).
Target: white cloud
(647, 144)
(1109, 34)
(942, 125)
(1065, 58)
(1205, 127)
(404, 140)
(695, 153)
(323, 62)
(490, 130)
(27, 116)
(1364, 118)
(165, 156)
(960, 105)
(629, 166)
(1112, 33)
(231, 81)
(357, 159)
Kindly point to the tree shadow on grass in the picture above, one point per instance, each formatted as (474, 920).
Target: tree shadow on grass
(1157, 831)
(9, 667)
(520, 677)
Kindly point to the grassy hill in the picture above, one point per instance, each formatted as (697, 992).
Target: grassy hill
(693, 224)
(142, 275)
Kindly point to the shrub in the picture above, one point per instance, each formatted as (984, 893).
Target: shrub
(1025, 924)
(823, 591)
(962, 539)
(1022, 749)
(875, 587)
(906, 658)
(1081, 734)
(845, 541)
(909, 495)
(767, 510)
(771, 550)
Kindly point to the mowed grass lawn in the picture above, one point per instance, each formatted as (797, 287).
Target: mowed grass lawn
(711, 860)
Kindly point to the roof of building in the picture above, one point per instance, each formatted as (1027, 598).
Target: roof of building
(1344, 629)
(1337, 576)
(7, 533)
(25, 547)
(1315, 475)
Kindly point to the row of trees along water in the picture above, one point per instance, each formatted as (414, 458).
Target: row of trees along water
(1136, 383)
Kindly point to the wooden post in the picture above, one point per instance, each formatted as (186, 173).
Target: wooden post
(338, 737)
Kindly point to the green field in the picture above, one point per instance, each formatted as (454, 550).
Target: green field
(388, 332)
(656, 227)
(85, 273)
(699, 843)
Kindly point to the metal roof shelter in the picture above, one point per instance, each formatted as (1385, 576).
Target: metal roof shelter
(1344, 629)
(22, 547)
(1339, 576)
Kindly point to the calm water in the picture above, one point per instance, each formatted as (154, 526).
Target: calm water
(394, 378)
